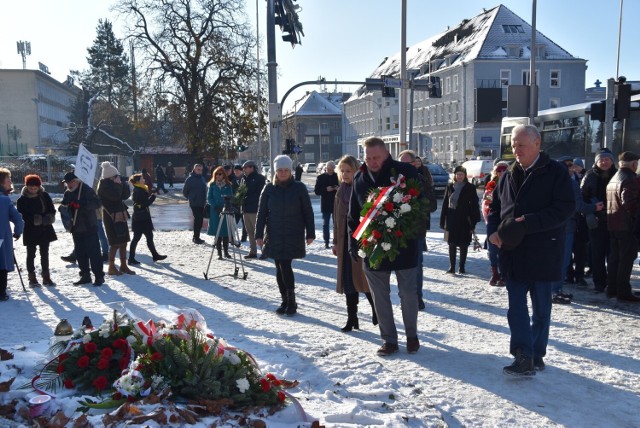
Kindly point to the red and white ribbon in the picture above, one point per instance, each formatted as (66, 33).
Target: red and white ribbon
(377, 205)
(147, 331)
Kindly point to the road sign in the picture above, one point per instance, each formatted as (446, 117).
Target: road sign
(390, 82)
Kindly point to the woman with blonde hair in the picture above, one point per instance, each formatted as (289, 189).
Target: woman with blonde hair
(141, 223)
(350, 278)
(219, 187)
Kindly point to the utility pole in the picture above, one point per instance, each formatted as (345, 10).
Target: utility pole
(402, 101)
(259, 106)
(275, 110)
(533, 94)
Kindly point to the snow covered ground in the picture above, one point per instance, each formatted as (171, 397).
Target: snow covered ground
(593, 362)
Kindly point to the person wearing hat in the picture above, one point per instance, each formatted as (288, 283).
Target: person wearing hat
(459, 215)
(499, 169)
(530, 207)
(195, 190)
(326, 187)
(161, 177)
(594, 191)
(113, 191)
(254, 182)
(170, 172)
(38, 214)
(82, 202)
(623, 201)
(285, 212)
(8, 214)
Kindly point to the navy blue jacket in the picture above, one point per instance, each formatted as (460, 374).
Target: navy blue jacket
(546, 200)
(195, 190)
(255, 183)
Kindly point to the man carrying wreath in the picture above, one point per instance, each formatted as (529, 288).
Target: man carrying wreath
(380, 170)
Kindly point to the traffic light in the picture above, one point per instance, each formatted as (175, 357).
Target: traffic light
(288, 147)
(598, 111)
(286, 17)
(388, 92)
(623, 101)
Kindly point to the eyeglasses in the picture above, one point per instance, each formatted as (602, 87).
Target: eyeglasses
(219, 173)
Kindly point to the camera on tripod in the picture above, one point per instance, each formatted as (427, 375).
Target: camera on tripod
(227, 204)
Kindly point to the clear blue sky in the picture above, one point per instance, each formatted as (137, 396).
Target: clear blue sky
(344, 39)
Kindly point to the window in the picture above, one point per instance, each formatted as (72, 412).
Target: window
(513, 29)
(395, 122)
(337, 140)
(447, 113)
(554, 102)
(447, 85)
(505, 78)
(448, 143)
(388, 123)
(455, 143)
(525, 77)
(555, 79)
(455, 83)
(456, 111)
(309, 140)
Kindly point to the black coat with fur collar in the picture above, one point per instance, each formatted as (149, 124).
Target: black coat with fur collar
(37, 209)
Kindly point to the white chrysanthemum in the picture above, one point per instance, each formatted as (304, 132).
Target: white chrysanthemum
(86, 338)
(157, 382)
(104, 333)
(362, 254)
(242, 384)
(386, 246)
(405, 208)
(397, 197)
(390, 222)
(232, 357)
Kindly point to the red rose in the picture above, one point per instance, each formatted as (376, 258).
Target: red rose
(376, 234)
(266, 386)
(399, 233)
(100, 383)
(68, 383)
(156, 356)
(281, 396)
(83, 362)
(60, 368)
(365, 242)
(62, 357)
(119, 343)
(413, 192)
(103, 363)
(274, 380)
(106, 353)
(388, 206)
(116, 396)
(90, 347)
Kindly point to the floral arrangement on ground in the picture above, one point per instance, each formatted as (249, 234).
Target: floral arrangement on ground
(389, 218)
(179, 368)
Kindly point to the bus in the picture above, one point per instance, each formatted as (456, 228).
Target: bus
(570, 131)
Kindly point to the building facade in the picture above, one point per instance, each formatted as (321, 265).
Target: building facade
(476, 62)
(34, 112)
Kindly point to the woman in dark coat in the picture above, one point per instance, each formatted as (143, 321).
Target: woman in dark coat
(141, 223)
(112, 193)
(460, 213)
(219, 187)
(351, 279)
(285, 210)
(38, 214)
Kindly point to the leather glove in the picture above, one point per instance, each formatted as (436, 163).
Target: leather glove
(353, 253)
(74, 204)
(16, 236)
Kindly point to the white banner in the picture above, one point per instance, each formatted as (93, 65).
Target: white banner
(86, 166)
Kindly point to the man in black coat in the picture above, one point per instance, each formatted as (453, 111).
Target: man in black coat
(195, 190)
(533, 200)
(377, 171)
(326, 187)
(82, 203)
(161, 177)
(254, 182)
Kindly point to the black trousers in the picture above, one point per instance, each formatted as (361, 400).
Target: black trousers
(197, 220)
(624, 250)
(136, 238)
(44, 257)
(599, 245)
(3, 282)
(87, 250)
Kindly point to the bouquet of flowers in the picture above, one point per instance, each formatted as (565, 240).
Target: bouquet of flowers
(238, 196)
(389, 218)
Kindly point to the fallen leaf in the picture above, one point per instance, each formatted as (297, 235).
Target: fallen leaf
(5, 386)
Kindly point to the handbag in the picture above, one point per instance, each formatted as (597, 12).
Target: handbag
(206, 213)
(120, 226)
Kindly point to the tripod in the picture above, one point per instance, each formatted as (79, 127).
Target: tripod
(227, 215)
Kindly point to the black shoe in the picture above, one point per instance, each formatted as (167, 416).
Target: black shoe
(413, 344)
(566, 295)
(4, 298)
(251, 256)
(83, 280)
(99, 281)
(282, 308)
(387, 349)
(561, 300)
(263, 256)
(198, 241)
(421, 305)
(521, 366)
(68, 259)
(133, 261)
(461, 270)
(538, 363)
(159, 257)
(227, 255)
(451, 270)
(326, 245)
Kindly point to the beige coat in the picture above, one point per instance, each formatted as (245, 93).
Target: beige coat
(340, 212)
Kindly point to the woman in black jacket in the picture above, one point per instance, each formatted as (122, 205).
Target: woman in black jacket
(38, 214)
(141, 223)
(285, 209)
(460, 213)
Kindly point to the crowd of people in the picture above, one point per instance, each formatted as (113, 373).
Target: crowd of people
(549, 222)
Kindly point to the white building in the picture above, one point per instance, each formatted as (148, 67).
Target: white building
(476, 61)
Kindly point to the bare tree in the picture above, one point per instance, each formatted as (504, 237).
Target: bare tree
(202, 53)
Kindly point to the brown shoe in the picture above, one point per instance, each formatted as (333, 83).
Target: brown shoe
(113, 270)
(413, 344)
(387, 349)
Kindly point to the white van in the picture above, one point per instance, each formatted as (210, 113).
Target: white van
(477, 170)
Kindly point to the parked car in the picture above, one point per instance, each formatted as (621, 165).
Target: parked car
(440, 177)
(309, 167)
(477, 170)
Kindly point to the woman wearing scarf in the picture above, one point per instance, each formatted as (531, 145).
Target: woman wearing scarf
(460, 213)
(351, 279)
(141, 223)
(219, 187)
(38, 214)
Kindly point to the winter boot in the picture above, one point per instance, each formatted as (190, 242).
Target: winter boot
(374, 316)
(123, 261)
(283, 294)
(33, 280)
(463, 258)
(292, 306)
(154, 253)
(219, 248)
(452, 259)
(225, 247)
(46, 278)
(352, 312)
(132, 254)
(113, 270)
(495, 276)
